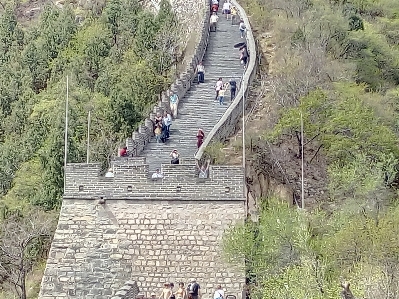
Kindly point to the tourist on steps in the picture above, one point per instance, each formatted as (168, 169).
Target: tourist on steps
(244, 55)
(153, 295)
(175, 157)
(123, 152)
(227, 9)
(204, 169)
(233, 88)
(181, 292)
(233, 14)
(213, 21)
(218, 87)
(221, 96)
(242, 28)
(200, 73)
(200, 137)
(157, 175)
(167, 122)
(158, 133)
(219, 293)
(174, 102)
(110, 173)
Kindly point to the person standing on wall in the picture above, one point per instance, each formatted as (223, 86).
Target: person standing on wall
(242, 28)
(233, 88)
(218, 87)
(200, 72)
(200, 137)
(194, 289)
(213, 21)
(174, 102)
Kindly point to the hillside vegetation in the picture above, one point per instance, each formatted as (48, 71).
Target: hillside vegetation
(336, 63)
(117, 62)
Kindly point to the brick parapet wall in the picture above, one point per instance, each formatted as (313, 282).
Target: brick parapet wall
(226, 126)
(133, 180)
(98, 247)
(182, 84)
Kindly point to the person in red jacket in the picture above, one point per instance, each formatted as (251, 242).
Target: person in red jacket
(123, 152)
(200, 137)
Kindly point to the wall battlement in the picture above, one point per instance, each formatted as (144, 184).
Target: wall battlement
(132, 179)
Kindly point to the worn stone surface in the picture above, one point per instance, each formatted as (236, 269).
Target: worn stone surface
(130, 228)
(98, 247)
(226, 125)
(198, 107)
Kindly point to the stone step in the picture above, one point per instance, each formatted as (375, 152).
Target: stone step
(198, 108)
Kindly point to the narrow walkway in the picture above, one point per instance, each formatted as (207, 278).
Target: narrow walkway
(199, 109)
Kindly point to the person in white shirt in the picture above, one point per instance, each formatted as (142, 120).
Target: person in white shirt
(213, 20)
(167, 122)
(110, 173)
(219, 293)
(200, 72)
(175, 157)
(174, 102)
(227, 8)
(157, 175)
(242, 28)
(218, 87)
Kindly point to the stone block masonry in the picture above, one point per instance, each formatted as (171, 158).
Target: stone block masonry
(132, 180)
(98, 247)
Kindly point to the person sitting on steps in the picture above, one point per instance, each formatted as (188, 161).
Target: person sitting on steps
(175, 157)
(204, 169)
(157, 175)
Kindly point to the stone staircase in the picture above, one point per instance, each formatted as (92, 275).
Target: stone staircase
(198, 108)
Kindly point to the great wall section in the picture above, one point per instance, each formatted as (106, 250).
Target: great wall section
(120, 236)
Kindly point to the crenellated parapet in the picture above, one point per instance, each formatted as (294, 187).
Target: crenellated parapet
(132, 179)
(180, 86)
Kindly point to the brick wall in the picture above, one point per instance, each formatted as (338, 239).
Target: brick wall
(98, 247)
(133, 180)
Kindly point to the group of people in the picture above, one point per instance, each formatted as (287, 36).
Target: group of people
(193, 291)
(162, 126)
(163, 122)
(231, 13)
(221, 88)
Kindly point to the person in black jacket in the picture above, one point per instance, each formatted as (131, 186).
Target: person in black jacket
(233, 88)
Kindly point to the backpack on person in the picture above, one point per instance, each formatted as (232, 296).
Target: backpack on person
(193, 288)
(220, 295)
